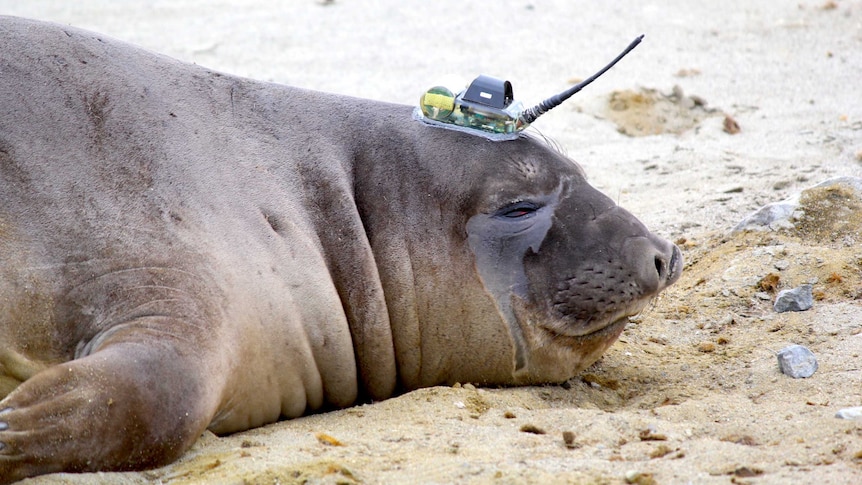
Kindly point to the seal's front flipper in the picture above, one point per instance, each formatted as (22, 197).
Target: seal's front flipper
(126, 406)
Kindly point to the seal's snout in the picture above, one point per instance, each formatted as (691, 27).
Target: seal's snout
(668, 265)
(656, 263)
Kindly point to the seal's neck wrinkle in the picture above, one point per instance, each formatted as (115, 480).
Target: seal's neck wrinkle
(329, 194)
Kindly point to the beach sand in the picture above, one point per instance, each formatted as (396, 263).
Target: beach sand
(724, 107)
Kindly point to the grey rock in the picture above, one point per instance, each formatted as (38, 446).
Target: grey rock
(775, 215)
(797, 361)
(850, 413)
(796, 300)
(780, 215)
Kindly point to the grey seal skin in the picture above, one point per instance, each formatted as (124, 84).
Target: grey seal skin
(182, 249)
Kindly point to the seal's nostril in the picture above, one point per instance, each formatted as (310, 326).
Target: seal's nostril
(659, 267)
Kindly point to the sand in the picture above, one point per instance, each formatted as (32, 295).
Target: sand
(726, 106)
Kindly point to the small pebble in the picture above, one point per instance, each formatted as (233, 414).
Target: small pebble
(639, 478)
(796, 300)
(730, 126)
(532, 428)
(706, 347)
(328, 440)
(569, 439)
(797, 361)
(650, 434)
(850, 413)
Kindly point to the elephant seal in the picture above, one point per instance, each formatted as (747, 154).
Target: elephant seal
(182, 249)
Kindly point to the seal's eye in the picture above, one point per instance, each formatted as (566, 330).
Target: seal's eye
(517, 210)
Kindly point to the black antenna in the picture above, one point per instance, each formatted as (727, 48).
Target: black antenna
(530, 115)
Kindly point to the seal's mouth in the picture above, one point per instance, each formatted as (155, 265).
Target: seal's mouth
(615, 327)
(584, 343)
(571, 326)
(608, 331)
(590, 346)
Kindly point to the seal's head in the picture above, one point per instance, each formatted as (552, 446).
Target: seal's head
(565, 265)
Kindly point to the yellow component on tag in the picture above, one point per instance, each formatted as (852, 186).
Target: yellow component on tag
(437, 103)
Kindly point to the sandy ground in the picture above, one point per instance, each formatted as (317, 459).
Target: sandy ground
(692, 392)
